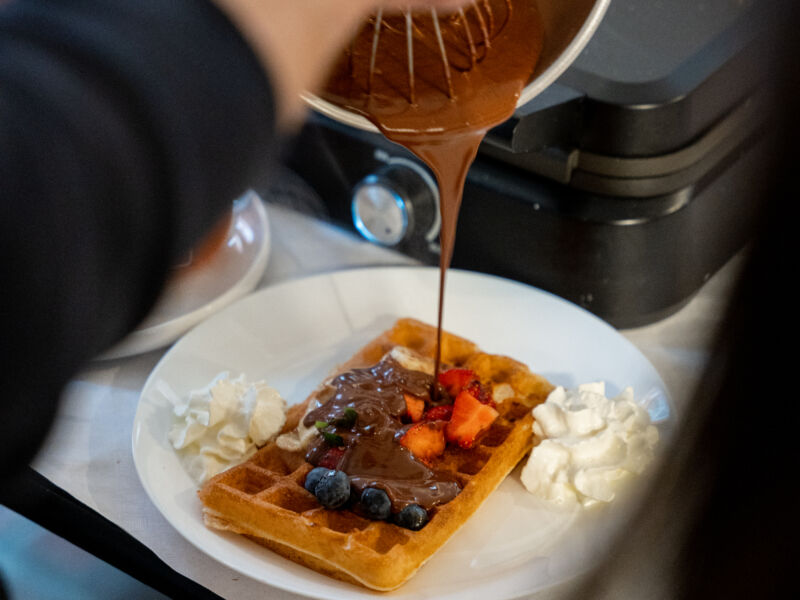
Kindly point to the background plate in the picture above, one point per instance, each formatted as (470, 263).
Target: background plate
(293, 334)
(194, 294)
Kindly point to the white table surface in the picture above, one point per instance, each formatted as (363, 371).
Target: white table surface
(88, 452)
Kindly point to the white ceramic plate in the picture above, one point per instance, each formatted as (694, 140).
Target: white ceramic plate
(293, 334)
(194, 294)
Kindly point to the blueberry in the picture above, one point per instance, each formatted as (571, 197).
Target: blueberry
(313, 478)
(376, 504)
(412, 517)
(333, 489)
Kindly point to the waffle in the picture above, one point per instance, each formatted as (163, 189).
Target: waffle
(264, 498)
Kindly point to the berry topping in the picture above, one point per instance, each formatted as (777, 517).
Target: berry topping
(333, 489)
(425, 440)
(455, 380)
(412, 517)
(470, 419)
(415, 407)
(376, 504)
(331, 458)
(313, 477)
(481, 393)
(439, 413)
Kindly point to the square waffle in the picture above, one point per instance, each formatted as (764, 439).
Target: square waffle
(265, 500)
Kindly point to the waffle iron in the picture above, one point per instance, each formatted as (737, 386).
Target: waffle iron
(622, 187)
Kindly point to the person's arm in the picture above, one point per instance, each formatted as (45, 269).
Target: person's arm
(126, 128)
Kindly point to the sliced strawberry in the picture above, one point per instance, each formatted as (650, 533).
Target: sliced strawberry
(439, 413)
(331, 458)
(425, 440)
(414, 407)
(481, 393)
(455, 380)
(470, 419)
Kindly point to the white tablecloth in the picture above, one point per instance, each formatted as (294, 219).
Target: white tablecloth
(88, 453)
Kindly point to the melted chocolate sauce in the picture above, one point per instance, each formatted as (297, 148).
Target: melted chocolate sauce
(442, 118)
(372, 455)
(440, 113)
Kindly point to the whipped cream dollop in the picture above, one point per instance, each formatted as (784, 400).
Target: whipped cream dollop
(591, 447)
(224, 423)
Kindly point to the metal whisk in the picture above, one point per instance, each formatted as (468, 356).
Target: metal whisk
(453, 34)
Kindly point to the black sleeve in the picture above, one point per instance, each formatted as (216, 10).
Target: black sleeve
(126, 128)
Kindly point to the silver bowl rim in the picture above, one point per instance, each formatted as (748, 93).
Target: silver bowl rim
(533, 89)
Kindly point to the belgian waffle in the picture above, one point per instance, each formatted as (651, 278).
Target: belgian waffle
(264, 498)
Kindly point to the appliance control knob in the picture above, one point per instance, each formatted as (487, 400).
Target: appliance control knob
(397, 203)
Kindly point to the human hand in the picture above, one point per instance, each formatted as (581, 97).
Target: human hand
(419, 4)
(298, 40)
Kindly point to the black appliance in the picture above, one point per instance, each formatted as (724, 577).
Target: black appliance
(623, 187)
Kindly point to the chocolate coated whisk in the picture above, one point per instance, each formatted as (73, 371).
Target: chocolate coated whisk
(462, 38)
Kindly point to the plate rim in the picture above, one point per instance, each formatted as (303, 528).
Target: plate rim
(159, 335)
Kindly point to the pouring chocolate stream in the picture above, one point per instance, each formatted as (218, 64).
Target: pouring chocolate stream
(394, 73)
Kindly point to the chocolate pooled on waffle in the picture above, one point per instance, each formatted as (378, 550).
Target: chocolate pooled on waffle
(381, 465)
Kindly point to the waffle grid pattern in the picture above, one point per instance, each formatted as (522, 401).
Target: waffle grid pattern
(264, 498)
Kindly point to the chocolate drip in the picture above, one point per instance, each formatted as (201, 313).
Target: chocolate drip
(442, 119)
(446, 118)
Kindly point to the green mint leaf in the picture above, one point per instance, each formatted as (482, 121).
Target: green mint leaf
(332, 438)
(348, 419)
